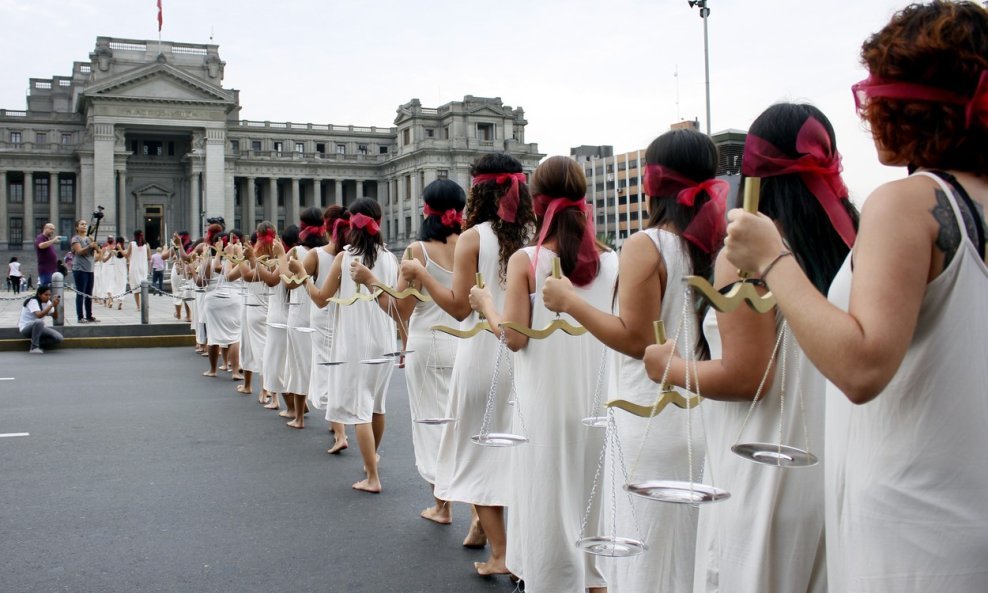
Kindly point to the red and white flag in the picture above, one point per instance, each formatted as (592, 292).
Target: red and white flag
(159, 16)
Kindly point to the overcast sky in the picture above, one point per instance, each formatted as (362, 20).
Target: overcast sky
(586, 72)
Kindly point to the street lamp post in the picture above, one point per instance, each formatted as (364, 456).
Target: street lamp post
(704, 13)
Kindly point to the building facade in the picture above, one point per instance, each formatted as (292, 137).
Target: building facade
(615, 182)
(146, 131)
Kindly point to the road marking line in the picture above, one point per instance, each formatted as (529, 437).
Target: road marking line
(15, 434)
(6, 378)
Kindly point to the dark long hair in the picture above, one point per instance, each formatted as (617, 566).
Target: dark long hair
(42, 289)
(806, 228)
(562, 177)
(483, 201)
(362, 242)
(289, 236)
(312, 217)
(692, 155)
(330, 215)
(441, 195)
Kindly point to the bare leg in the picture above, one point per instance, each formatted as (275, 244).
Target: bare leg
(440, 513)
(339, 438)
(225, 351)
(246, 387)
(213, 353)
(137, 299)
(299, 419)
(475, 537)
(377, 424)
(178, 311)
(188, 313)
(289, 411)
(368, 450)
(272, 403)
(492, 520)
(234, 351)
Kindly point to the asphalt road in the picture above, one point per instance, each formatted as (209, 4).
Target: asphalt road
(140, 475)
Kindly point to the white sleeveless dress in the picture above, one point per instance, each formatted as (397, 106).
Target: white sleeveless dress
(254, 327)
(467, 472)
(224, 306)
(299, 354)
(99, 278)
(138, 271)
(273, 364)
(199, 318)
(323, 322)
(768, 536)
(116, 276)
(357, 390)
(177, 282)
(907, 473)
(428, 369)
(669, 530)
(554, 471)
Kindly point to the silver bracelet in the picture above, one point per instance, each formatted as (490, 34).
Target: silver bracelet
(768, 268)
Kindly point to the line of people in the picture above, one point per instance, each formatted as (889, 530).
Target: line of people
(883, 394)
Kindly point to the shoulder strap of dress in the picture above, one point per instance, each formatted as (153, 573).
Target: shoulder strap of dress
(949, 190)
(425, 253)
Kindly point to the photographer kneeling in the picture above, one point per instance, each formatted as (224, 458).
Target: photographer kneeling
(32, 323)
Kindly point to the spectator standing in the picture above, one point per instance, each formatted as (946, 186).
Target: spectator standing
(32, 323)
(14, 275)
(83, 249)
(158, 270)
(44, 247)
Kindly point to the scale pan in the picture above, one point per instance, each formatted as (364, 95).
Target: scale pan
(435, 421)
(188, 299)
(397, 354)
(304, 330)
(611, 546)
(375, 361)
(498, 439)
(775, 455)
(677, 491)
(254, 305)
(277, 325)
(331, 363)
(595, 421)
(199, 290)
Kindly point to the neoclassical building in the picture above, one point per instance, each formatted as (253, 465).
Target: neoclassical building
(147, 131)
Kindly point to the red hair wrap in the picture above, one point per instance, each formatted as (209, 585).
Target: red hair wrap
(975, 105)
(708, 227)
(449, 218)
(362, 221)
(818, 166)
(507, 208)
(587, 258)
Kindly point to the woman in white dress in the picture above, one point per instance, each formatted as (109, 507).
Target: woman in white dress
(322, 320)
(358, 388)
(685, 230)
(554, 379)
(772, 514)
(274, 370)
(312, 236)
(429, 362)
(499, 221)
(254, 327)
(902, 340)
(178, 276)
(99, 276)
(223, 310)
(115, 273)
(138, 256)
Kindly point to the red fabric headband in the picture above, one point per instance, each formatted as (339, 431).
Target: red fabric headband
(362, 221)
(587, 258)
(709, 225)
(266, 237)
(339, 226)
(507, 207)
(976, 104)
(818, 166)
(449, 218)
(312, 229)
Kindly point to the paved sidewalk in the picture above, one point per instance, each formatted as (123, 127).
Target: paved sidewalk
(161, 310)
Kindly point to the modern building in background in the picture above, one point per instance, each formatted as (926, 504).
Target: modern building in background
(615, 182)
(147, 131)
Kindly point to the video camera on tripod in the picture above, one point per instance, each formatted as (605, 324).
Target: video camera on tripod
(94, 226)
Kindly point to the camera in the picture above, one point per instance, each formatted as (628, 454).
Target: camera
(98, 215)
(216, 220)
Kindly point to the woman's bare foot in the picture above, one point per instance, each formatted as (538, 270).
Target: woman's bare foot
(368, 486)
(243, 390)
(222, 367)
(491, 567)
(286, 414)
(437, 515)
(476, 539)
(272, 404)
(238, 376)
(209, 374)
(296, 424)
(338, 447)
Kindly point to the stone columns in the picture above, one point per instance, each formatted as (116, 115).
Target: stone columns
(359, 187)
(416, 198)
(401, 207)
(196, 210)
(29, 235)
(248, 201)
(54, 199)
(85, 200)
(338, 195)
(215, 192)
(124, 212)
(104, 183)
(317, 194)
(271, 203)
(3, 210)
(292, 209)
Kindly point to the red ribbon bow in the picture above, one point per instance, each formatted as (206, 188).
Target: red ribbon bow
(340, 225)
(587, 258)
(266, 237)
(708, 227)
(362, 221)
(312, 229)
(818, 166)
(975, 105)
(449, 218)
(507, 207)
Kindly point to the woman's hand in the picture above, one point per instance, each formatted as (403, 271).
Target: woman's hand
(361, 274)
(656, 359)
(752, 242)
(295, 268)
(278, 248)
(556, 293)
(411, 270)
(480, 298)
